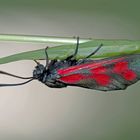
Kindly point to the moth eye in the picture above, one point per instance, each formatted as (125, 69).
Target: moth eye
(38, 72)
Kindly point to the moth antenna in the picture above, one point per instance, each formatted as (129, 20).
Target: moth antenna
(12, 75)
(18, 84)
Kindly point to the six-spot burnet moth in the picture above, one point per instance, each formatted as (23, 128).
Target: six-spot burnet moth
(115, 73)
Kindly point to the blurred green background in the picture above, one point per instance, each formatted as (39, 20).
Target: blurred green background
(34, 111)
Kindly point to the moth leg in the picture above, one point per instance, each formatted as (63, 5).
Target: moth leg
(75, 53)
(86, 58)
(47, 58)
(36, 62)
(98, 48)
(52, 62)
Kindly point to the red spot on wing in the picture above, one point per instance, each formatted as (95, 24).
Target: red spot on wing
(129, 75)
(99, 76)
(77, 67)
(71, 79)
(122, 69)
(100, 69)
(88, 65)
(101, 79)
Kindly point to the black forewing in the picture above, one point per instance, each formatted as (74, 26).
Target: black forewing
(106, 74)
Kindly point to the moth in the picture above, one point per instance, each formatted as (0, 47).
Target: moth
(114, 73)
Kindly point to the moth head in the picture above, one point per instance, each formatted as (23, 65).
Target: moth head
(38, 71)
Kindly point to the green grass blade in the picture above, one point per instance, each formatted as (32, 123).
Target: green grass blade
(40, 39)
(110, 48)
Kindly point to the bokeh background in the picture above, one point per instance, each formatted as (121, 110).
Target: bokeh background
(34, 111)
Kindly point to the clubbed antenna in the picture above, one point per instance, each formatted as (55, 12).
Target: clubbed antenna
(17, 84)
(9, 74)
